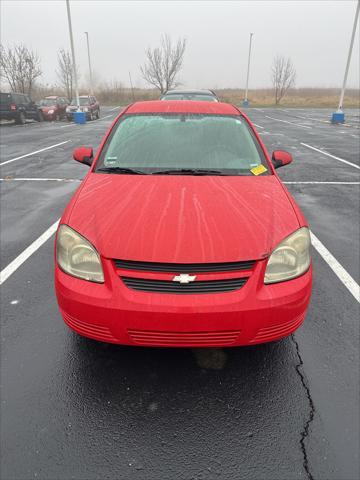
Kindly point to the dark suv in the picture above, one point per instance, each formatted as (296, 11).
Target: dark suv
(88, 104)
(19, 107)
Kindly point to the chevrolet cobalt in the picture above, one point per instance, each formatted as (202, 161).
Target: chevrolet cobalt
(182, 234)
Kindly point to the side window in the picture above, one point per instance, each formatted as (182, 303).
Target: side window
(27, 99)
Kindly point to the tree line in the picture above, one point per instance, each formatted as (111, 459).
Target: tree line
(21, 67)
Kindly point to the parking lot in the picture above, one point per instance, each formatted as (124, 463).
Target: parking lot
(76, 408)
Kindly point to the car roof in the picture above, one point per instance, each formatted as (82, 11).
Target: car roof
(193, 91)
(183, 106)
(52, 96)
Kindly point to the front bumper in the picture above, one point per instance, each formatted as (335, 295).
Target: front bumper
(49, 116)
(112, 312)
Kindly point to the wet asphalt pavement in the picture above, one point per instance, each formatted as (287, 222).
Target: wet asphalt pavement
(76, 408)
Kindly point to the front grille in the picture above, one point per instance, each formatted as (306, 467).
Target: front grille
(186, 339)
(165, 286)
(184, 267)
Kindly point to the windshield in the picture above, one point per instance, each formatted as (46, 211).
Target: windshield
(170, 143)
(47, 102)
(190, 96)
(83, 101)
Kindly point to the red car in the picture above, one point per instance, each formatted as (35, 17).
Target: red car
(182, 234)
(53, 107)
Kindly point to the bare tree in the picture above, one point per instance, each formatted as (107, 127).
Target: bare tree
(164, 63)
(65, 72)
(20, 67)
(283, 76)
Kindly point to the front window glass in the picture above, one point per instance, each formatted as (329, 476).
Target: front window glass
(172, 143)
(83, 101)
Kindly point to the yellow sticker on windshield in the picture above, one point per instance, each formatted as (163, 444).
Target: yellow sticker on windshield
(258, 170)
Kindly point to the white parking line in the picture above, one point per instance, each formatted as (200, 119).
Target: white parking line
(285, 121)
(35, 179)
(322, 183)
(9, 179)
(69, 125)
(336, 267)
(34, 153)
(19, 260)
(112, 109)
(329, 155)
(258, 126)
(106, 116)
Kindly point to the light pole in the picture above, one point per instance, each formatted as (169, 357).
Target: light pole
(90, 71)
(73, 55)
(339, 116)
(246, 101)
(132, 88)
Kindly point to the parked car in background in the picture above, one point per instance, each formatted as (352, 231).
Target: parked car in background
(88, 104)
(53, 107)
(19, 107)
(197, 95)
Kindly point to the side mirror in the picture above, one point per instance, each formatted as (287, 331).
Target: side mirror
(83, 155)
(281, 158)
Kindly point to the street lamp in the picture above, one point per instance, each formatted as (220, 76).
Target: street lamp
(246, 101)
(339, 116)
(90, 71)
(73, 55)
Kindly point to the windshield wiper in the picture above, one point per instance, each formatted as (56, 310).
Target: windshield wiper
(124, 170)
(189, 171)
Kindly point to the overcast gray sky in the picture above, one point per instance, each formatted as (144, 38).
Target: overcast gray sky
(315, 34)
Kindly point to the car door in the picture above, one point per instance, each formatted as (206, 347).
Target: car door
(64, 104)
(91, 105)
(31, 110)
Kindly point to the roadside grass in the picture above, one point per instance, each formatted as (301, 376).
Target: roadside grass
(296, 97)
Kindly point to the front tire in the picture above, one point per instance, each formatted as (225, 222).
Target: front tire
(40, 117)
(98, 114)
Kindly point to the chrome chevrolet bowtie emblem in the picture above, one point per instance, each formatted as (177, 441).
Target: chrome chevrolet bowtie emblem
(184, 278)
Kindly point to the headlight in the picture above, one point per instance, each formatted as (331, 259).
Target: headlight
(86, 109)
(51, 112)
(77, 257)
(290, 259)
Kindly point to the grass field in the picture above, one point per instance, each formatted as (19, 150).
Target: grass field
(296, 97)
(299, 97)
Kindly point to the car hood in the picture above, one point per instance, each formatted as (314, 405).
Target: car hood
(46, 109)
(183, 219)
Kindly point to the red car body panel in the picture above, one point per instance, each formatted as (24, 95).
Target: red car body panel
(183, 219)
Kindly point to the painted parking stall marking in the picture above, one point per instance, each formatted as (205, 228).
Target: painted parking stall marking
(9, 179)
(285, 121)
(330, 155)
(336, 267)
(20, 259)
(34, 153)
